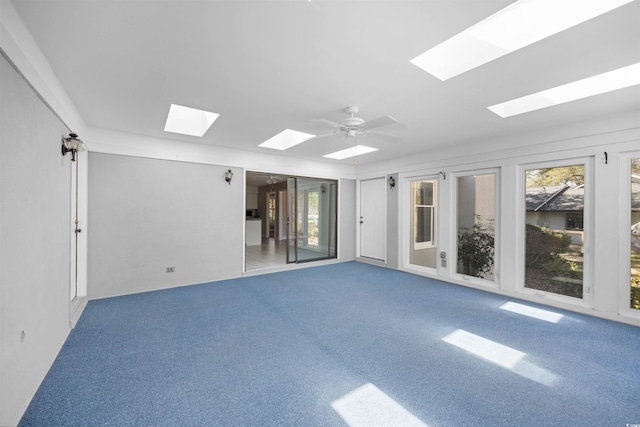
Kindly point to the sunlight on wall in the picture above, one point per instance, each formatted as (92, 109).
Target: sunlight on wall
(369, 406)
(500, 355)
(525, 310)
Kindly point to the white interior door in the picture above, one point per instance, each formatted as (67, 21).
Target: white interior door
(373, 218)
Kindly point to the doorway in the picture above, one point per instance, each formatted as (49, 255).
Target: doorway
(289, 220)
(312, 219)
(373, 218)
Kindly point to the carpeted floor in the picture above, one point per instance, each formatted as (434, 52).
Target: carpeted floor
(346, 344)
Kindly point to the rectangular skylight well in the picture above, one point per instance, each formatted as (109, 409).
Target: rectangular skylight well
(514, 27)
(350, 152)
(189, 121)
(286, 139)
(595, 85)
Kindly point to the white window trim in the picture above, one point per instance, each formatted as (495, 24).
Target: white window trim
(406, 227)
(434, 207)
(625, 237)
(454, 229)
(589, 230)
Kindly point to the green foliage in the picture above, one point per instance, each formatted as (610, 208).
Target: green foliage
(476, 248)
(544, 245)
(571, 175)
(546, 269)
(635, 292)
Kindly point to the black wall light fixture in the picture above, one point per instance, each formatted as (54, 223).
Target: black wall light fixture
(227, 176)
(71, 144)
(392, 182)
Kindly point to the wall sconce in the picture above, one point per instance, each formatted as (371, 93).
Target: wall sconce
(392, 182)
(71, 144)
(227, 176)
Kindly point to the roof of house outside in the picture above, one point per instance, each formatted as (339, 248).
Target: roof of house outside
(537, 196)
(562, 198)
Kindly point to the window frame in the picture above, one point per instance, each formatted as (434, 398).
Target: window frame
(588, 229)
(495, 283)
(575, 217)
(431, 243)
(625, 235)
(405, 226)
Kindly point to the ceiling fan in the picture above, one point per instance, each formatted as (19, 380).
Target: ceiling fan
(353, 126)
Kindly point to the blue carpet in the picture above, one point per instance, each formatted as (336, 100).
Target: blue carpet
(279, 349)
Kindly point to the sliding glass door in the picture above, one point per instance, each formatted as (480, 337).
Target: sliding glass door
(311, 219)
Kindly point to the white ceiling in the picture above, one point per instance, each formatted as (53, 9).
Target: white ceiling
(265, 66)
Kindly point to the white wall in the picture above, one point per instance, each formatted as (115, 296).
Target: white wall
(346, 220)
(147, 215)
(35, 242)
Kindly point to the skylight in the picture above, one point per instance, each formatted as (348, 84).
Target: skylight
(189, 121)
(514, 27)
(595, 85)
(286, 139)
(350, 152)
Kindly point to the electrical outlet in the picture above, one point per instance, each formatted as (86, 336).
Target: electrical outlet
(171, 269)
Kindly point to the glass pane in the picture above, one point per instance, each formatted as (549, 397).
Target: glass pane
(554, 252)
(422, 249)
(423, 224)
(635, 234)
(316, 219)
(292, 232)
(424, 193)
(271, 215)
(476, 225)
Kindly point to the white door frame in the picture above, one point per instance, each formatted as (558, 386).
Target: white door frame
(360, 214)
(78, 257)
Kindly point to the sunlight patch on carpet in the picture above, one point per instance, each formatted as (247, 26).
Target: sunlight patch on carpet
(368, 406)
(500, 355)
(537, 313)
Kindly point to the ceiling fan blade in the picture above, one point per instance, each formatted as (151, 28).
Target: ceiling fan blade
(384, 137)
(381, 121)
(326, 122)
(324, 135)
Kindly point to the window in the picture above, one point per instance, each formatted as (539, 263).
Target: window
(271, 214)
(574, 221)
(476, 215)
(424, 214)
(422, 243)
(554, 236)
(635, 235)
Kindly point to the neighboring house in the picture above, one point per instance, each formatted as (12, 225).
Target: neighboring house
(561, 207)
(557, 207)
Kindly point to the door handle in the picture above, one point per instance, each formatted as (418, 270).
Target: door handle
(361, 221)
(77, 230)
